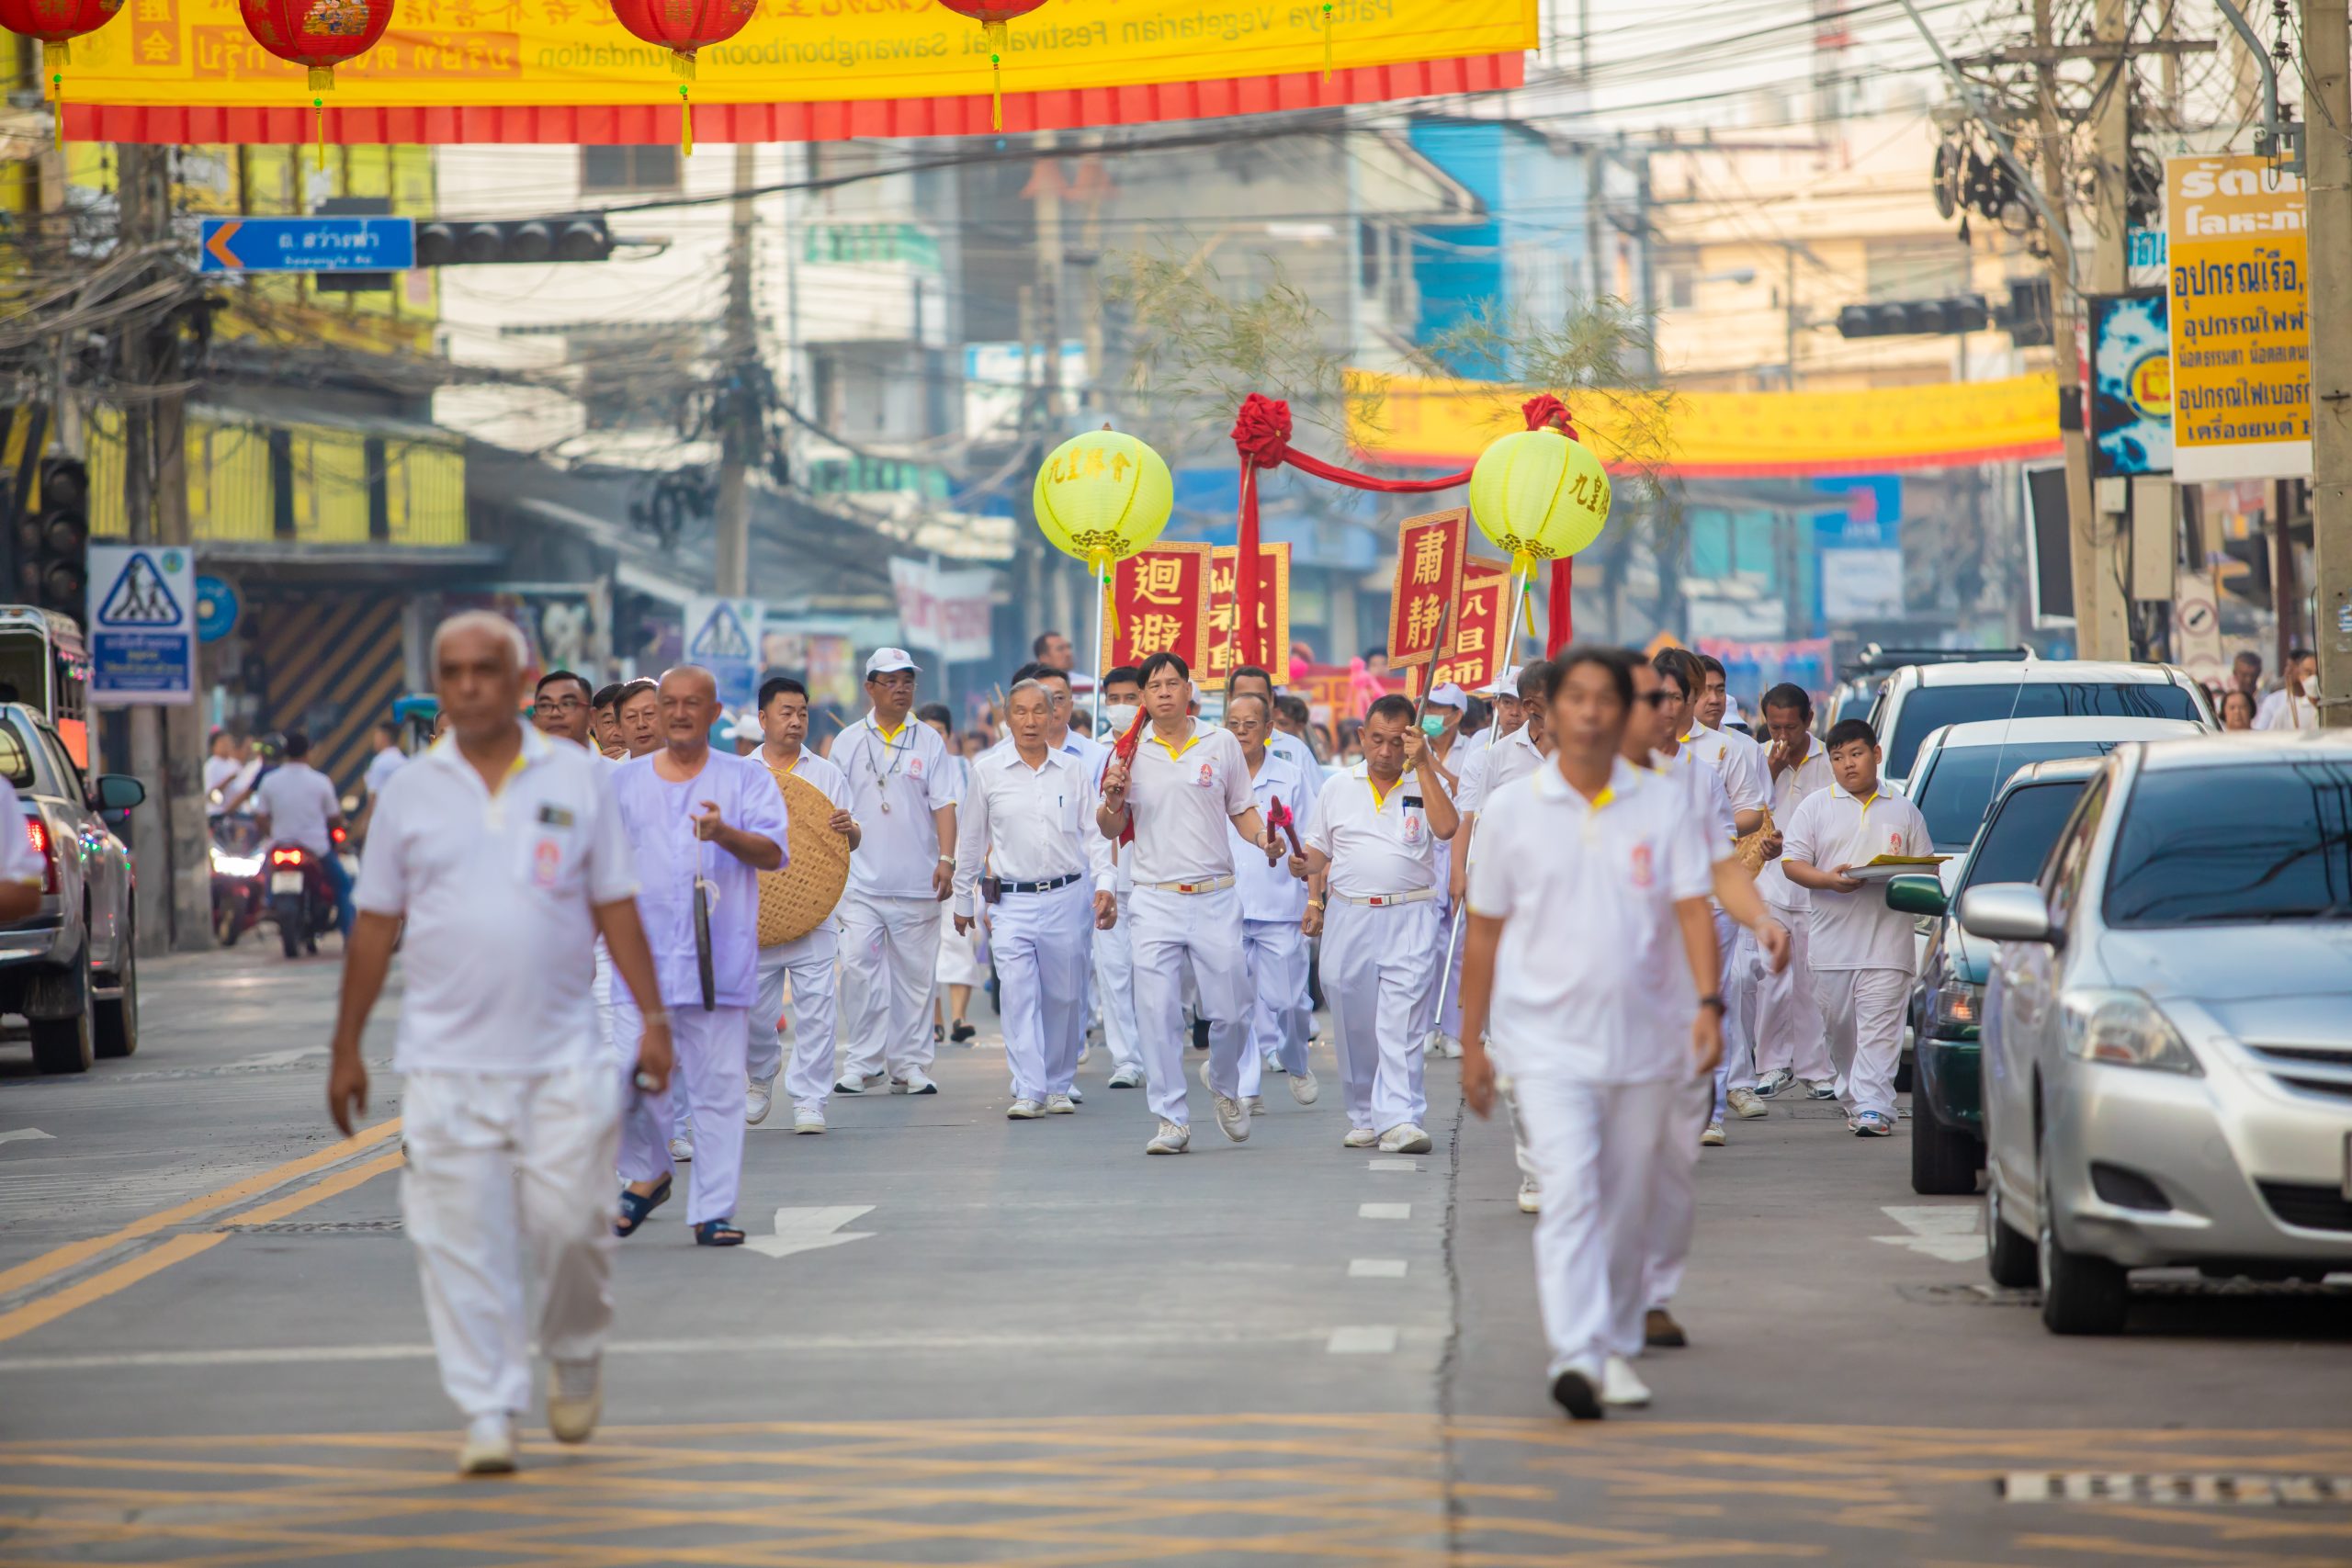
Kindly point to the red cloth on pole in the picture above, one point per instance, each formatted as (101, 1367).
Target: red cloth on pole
(1563, 628)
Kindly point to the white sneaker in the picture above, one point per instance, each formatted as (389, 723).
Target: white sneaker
(915, 1082)
(1257, 1105)
(489, 1448)
(1077, 1095)
(1774, 1082)
(1127, 1077)
(1621, 1386)
(575, 1398)
(851, 1083)
(1304, 1088)
(1360, 1138)
(808, 1121)
(1023, 1111)
(1407, 1139)
(682, 1150)
(1713, 1138)
(1531, 1196)
(1061, 1104)
(757, 1098)
(1747, 1105)
(1085, 1049)
(1173, 1138)
(1232, 1118)
(1446, 1046)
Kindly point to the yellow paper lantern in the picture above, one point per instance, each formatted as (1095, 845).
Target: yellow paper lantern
(1102, 497)
(1540, 496)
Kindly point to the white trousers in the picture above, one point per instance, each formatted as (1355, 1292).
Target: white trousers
(1738, 986)
(708, 1079)
(1455, 935)
(1280, 1012)
(1739, 1066)
(890, 954)
(807, 963)
(1789, 1035)
(1597, 1149)
(1039, 940)
(1200, 934)
(1376, 969)
(508, 1193)
(1674, 1203)
(1114, 989)
(1861, 1011)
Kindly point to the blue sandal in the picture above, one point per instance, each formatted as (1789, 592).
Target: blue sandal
(637, 1206)
(718, 1232)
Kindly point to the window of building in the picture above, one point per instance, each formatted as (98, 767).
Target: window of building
(605, 170)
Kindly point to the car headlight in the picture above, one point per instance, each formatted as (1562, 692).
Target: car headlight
(235, 866)
(2126, 1028)
(1957, 1004)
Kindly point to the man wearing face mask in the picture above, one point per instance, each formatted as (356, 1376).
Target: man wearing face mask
(2295, 704)
(1114, 964)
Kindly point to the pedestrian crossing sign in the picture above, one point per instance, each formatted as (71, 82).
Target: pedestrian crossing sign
(140, 597)
(142, 623)
(723, 637)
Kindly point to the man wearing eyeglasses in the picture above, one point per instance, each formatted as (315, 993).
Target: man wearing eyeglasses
(562, 705)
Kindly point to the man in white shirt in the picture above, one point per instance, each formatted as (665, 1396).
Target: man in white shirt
(1859, 951)
(1018, 848)
(1187, 785)
(1273, 910)
(2294, 704)
(296, 804)
(902, 792)
(807, 963)
(563, 706)
(503, 854)
(1250, 681)
(1374, 871)
(1737, 757)
(1790, 1044)
(1114, 967)
(1593, 1028)
(222, 765)
(1090, 755)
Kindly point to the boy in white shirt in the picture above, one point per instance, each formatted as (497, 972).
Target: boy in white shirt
(1860, 951)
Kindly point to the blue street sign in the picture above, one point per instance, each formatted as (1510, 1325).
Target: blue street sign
(216, 608)
(308, 244)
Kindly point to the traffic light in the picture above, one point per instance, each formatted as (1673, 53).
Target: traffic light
(2025, 316)
(493, 241)
(53, 541)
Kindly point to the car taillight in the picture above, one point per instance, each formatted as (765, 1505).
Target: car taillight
(38, 831)
(285, 857)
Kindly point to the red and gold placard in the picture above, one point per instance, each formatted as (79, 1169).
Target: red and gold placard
(1479, 649)
(1225, 613)
(1429, 575)
(1159, 602)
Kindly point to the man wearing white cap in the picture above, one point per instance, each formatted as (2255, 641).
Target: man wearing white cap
(1273, 905)
(903, 794)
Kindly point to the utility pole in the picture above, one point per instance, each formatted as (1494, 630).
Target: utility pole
(2327, 41)
(739, 429)
(1046, 193)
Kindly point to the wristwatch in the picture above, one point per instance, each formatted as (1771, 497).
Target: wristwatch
(1714, 1001)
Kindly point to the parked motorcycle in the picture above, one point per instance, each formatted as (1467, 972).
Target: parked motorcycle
(301, 898)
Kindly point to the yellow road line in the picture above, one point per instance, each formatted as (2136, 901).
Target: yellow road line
(341, 1181)
(78, 1252)
(80, 1293)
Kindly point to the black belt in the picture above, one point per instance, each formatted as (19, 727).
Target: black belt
(1043, 886)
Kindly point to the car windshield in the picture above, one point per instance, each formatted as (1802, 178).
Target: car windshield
(1929, 708)
(2260, 841)
(2018, 837)
(1962, 780)
(17, 755)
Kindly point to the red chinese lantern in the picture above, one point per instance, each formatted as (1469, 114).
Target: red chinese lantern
(319, 35)
(992, 15)
(57, 23)
(682, 27)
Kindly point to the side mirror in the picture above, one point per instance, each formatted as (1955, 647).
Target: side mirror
(1916, 895)
(121, 792)
(2007, 911)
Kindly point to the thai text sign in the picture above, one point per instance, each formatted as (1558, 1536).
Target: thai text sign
(2241, 342)
(1225, 613)
(1428, 576)
(1159, 602)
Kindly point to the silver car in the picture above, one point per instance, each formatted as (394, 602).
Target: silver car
(2167, 1039)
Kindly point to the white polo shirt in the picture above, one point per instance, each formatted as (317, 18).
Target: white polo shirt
(1024, 823)
(809, 768)
(1830, 828)
(1270, 892)
(1703, 788)
(1740, 761)
(300, 802)
(1379, 844)
(1184, 798)
(1591, 980)
(908, 771)
(1790, 791)
(498, 892)
(1512, 757)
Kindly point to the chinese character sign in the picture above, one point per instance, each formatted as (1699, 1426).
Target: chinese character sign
(1159, 601)
(1225, 613)
(1428, 576)
(1479, 648)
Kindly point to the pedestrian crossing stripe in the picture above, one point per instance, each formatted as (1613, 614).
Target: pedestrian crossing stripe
(140, 597)
(2095, 1486)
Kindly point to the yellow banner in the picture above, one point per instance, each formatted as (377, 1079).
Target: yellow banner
(2241, 345)
(474, 53)
(1425, 423)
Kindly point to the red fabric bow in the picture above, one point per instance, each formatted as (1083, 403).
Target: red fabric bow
(1279, 819)
(1261, 431)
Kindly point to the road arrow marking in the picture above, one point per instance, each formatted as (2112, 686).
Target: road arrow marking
(810, 1230)
(217, 244)
(27, 1132)
(1949, 1231)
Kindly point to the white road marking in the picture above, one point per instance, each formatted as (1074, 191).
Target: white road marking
(1362, 1340)
(1393, 1165)
(1383, 1210)
(1375, 1268)
(27, 1133)
(1949, 1231)
(810, 1230)
(2193, 1487)
(280, 1058)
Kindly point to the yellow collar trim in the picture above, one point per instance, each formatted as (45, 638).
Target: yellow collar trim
(890, 737)
(1176, 754)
